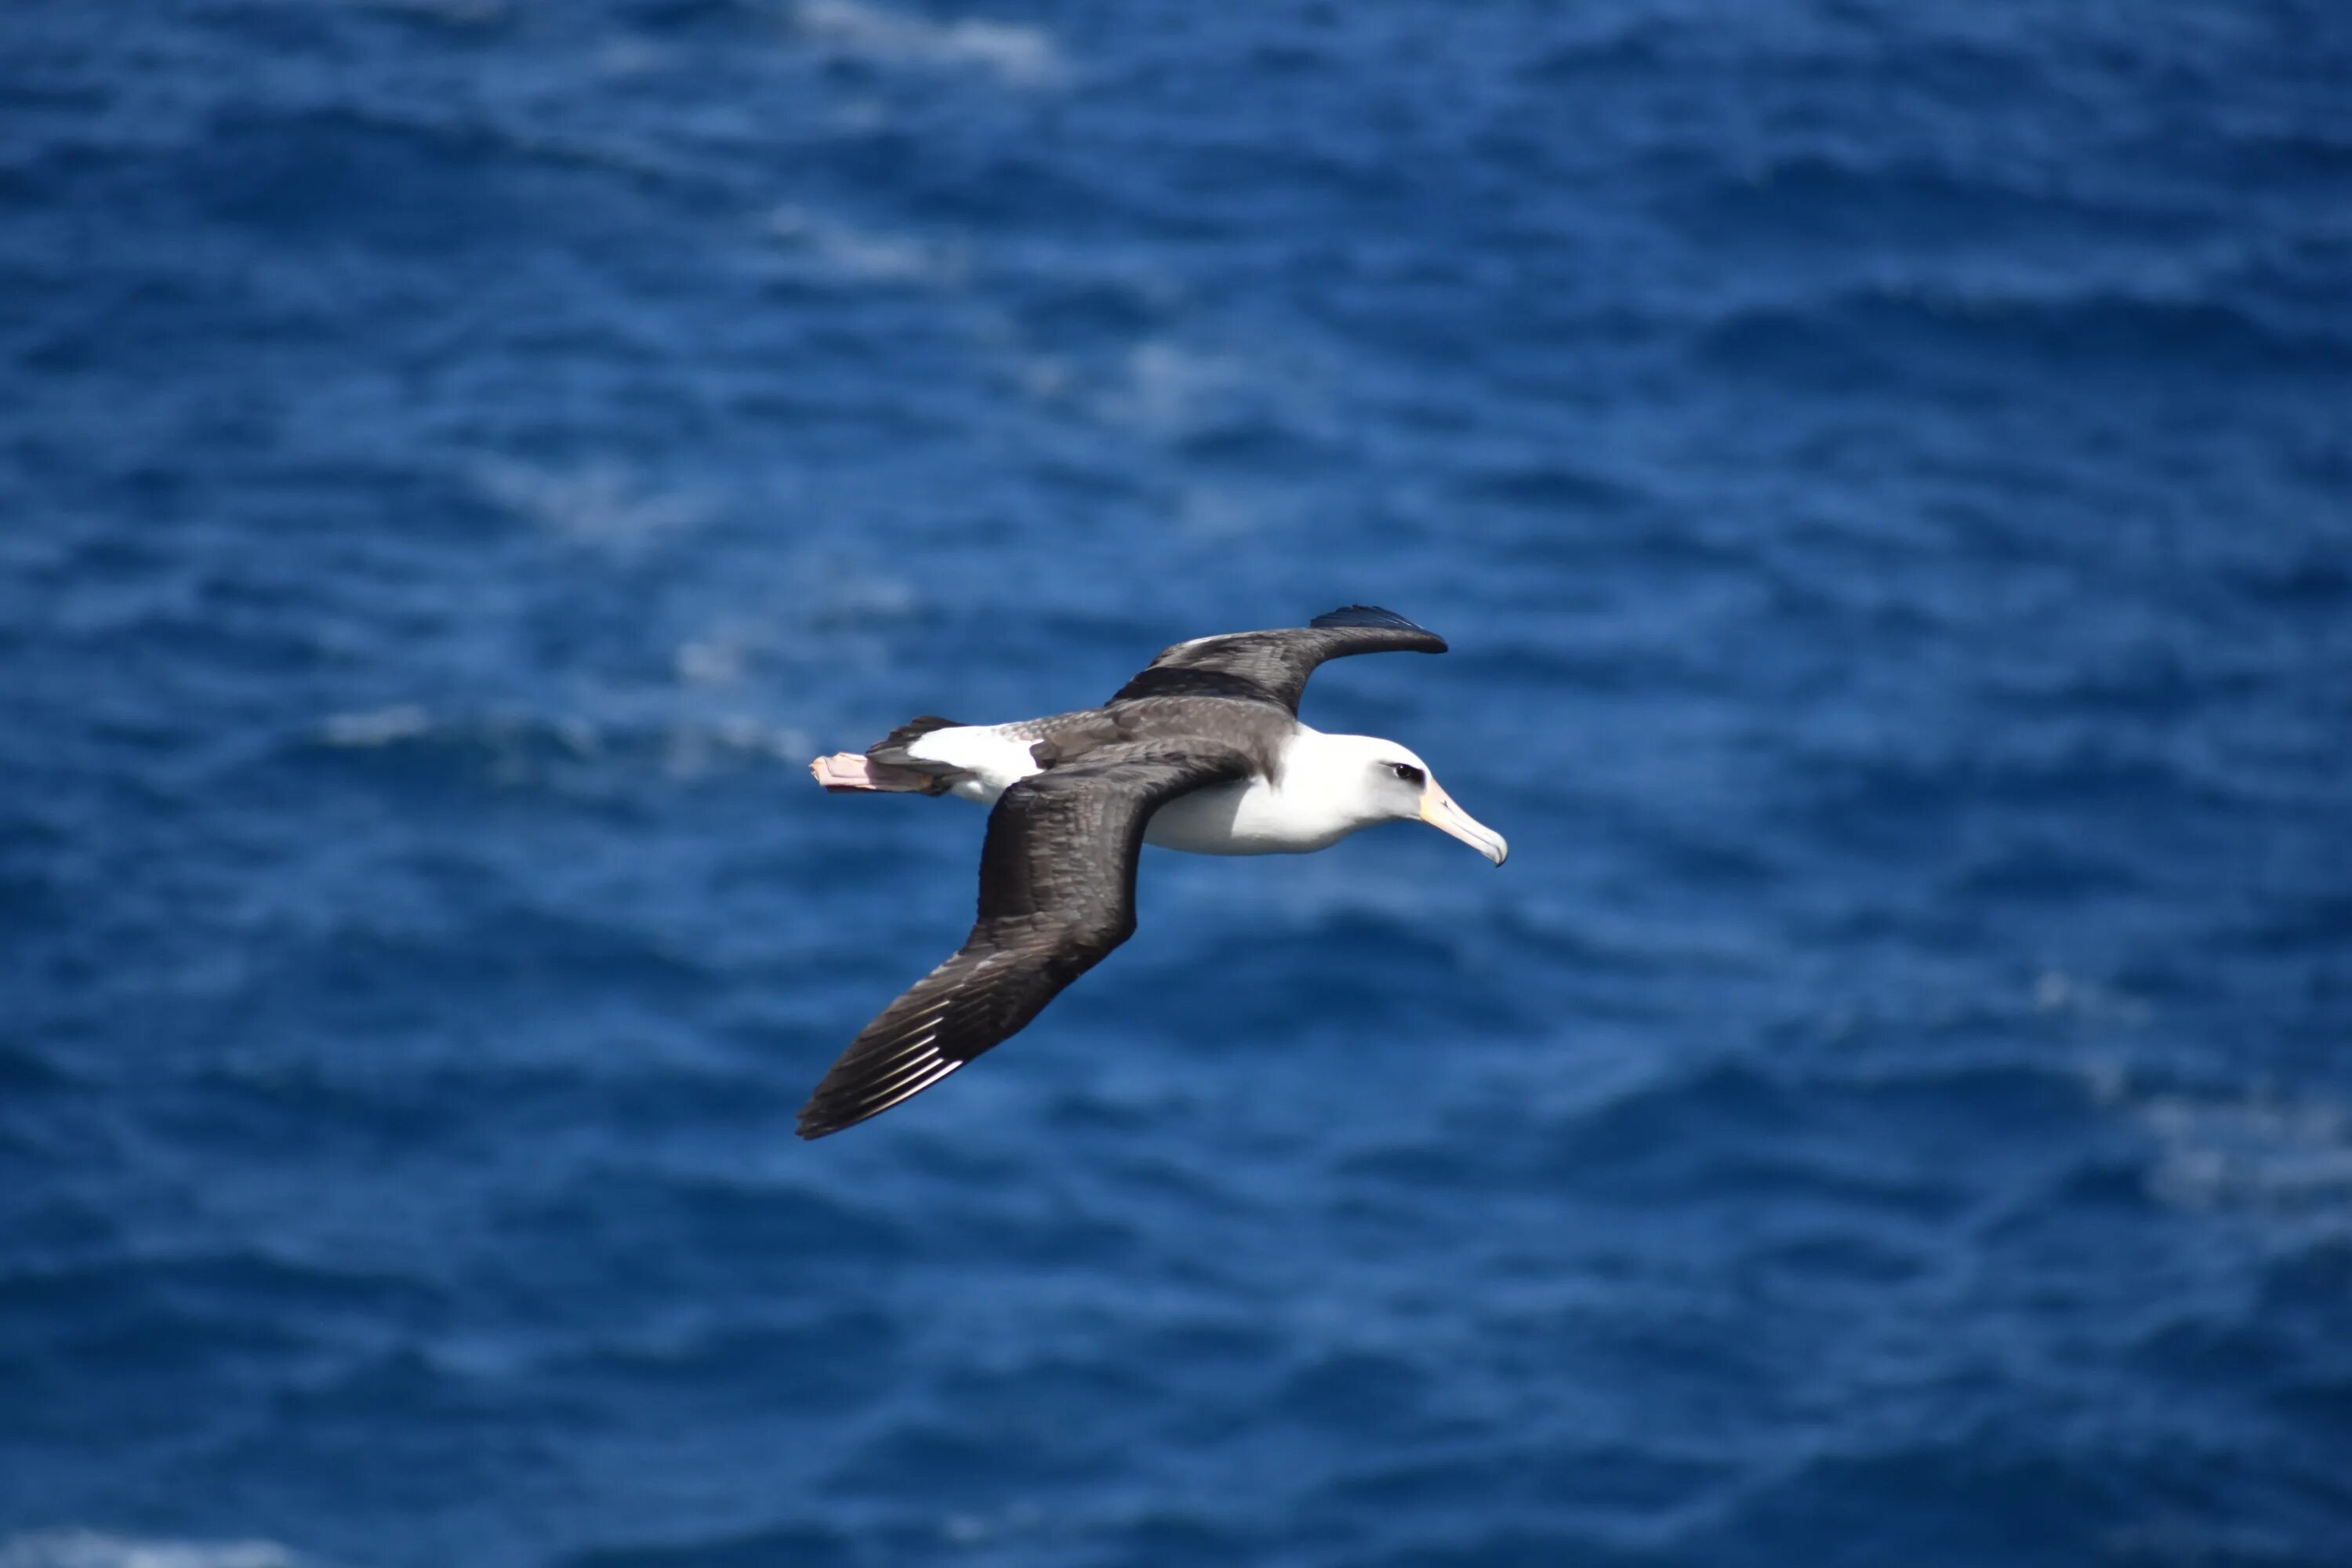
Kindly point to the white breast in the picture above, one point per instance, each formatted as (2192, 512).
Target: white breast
(1250, 819)
(1228, 819)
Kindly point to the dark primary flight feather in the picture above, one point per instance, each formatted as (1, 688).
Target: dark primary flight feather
(1272, 666)
(1056, 894)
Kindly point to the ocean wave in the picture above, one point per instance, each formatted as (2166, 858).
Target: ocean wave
(783, 1545)
(1961, 1497)
(1863, 334)
(376, 726)
(572, 755)
(25, 1070)
(1207, 401)
(2276, 1157)
(1930, 204)
(602, 504)
(1014, 54)
(455, 13)
(868, 256)
(74, 1548)
(1881, 468)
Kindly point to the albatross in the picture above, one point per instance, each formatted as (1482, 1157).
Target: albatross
(1202, 752)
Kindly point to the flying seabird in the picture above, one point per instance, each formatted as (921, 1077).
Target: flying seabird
(1203, 750)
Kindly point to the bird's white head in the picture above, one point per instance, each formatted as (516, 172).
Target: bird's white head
(1367, 780)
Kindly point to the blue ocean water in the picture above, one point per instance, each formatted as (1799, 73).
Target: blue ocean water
(1885, 470)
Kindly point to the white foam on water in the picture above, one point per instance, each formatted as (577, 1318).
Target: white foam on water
(2262, 1155)
(866, 255)
(2058, 992)
(377, 727)
(73, 1548)
(835, 616)
(1016, 54)
(2268, 1155)
(600, 504)
(714, 660)
(1170, 392)
(1215, 513)
(694, 752)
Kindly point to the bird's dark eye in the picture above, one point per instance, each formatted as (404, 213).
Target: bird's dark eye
(1407, 771)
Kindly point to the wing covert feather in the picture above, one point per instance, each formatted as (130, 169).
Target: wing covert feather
(1273, 665)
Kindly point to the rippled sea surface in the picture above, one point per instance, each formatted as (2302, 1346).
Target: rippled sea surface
(1885, 470)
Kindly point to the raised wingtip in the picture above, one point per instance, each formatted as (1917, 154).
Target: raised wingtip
(1372, 617)
(1368, 616)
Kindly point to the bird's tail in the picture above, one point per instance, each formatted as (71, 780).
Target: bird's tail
(886, 766)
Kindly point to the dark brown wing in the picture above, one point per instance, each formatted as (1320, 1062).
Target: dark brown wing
(1056, 893)
(1272, 666)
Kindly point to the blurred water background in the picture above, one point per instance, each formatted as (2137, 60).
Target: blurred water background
(1886, 467)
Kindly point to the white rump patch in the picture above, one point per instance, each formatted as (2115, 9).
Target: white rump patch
(995, 760)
